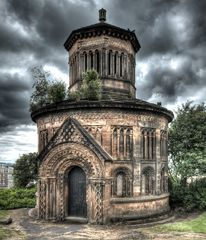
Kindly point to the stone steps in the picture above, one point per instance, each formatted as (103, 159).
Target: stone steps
(149, 221)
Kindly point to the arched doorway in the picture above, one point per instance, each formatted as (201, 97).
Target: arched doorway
(77, 206)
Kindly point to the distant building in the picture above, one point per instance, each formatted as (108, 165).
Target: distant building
(6, 175)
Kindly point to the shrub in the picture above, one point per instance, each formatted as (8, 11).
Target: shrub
(91, 86)
(56, 92)
(17, 198)
(191, 197)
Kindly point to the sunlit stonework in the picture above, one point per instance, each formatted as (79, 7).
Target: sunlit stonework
(103, 161)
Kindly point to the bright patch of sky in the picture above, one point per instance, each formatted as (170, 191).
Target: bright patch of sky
(21, 140)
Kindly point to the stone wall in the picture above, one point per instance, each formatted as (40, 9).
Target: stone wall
(133, 173)
(113, 58)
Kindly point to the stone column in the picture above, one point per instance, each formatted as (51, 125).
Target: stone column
(129, 67)
(112, 142)
(100, 63)
(125, 135)
(103, 62)
(78, 66)
(118, 135)
(145, 145)
(158, 162)
(136, 161)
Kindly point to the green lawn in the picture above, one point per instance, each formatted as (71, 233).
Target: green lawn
(6, 232)
(3, 214)
(197, 225)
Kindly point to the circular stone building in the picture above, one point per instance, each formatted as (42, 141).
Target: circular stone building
(103, 161)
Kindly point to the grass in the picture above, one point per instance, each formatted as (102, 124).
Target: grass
(3, 214)
(6, 232)
(197, 225)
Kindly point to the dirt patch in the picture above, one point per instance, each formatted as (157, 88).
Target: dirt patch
(33, 230)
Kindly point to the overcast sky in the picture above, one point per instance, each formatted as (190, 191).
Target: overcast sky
(171, 64)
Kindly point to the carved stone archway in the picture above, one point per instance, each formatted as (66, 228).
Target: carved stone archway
(52, 187)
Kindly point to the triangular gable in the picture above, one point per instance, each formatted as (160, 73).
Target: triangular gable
(72, 131)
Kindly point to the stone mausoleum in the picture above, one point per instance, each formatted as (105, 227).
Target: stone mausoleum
(103, 161)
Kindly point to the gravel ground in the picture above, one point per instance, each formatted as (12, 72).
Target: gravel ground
(38, 230)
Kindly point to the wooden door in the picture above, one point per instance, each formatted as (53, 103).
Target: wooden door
(77, 193)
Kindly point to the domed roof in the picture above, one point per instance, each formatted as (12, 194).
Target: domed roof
(102, 28)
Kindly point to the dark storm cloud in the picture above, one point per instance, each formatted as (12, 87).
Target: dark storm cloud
(13, 101)
(167, 28)
(33, 33)
(170, 83)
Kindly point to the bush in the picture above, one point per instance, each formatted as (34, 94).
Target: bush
(56, 92)
(191, 197)
(17, 198)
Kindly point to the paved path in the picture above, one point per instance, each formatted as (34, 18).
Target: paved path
(38, 230)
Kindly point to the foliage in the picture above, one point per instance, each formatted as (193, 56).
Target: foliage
(39, 95)
(74, 96)
(44, 91)
(187, 143)
(17, 198)
(25, 169)
(91, 86)
(187, 148)
(56, 92)
(190, 197)
(196, 225)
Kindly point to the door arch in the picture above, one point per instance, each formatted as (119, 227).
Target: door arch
(77, 206)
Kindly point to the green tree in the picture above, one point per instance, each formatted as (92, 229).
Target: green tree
(45, 91)
(40, 87)
(187, 158)
(25, 169)
(187, 142)
(91, 86)
(56, 92)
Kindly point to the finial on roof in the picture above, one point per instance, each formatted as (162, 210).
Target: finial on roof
(102, 15)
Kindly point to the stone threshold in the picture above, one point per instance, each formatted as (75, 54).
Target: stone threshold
(73, 219)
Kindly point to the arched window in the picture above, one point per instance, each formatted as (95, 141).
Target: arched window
(122, 183)
(115, 63)
(99, 136)
(121, 64)
(85, 61)
(109, 67)
(121, 142)
(97, 58)
(128, 143)
(91, 60)
(163, 144)
(163, 180)
(115, 142)
(148, 182)
(43, 138)
(148, 143)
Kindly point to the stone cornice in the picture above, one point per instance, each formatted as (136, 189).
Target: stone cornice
(126, 105)
(102, 29)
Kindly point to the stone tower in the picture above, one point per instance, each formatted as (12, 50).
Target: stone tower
(109, 50)
(103, 161)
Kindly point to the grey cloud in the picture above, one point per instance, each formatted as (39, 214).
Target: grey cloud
(14, 101)
(48, 23)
